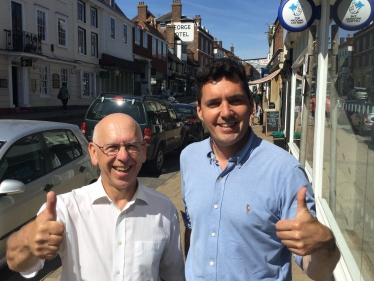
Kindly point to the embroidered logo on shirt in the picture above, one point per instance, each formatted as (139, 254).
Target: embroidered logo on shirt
(247, 209)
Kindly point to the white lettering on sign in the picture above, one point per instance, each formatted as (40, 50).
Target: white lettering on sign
(185, 31)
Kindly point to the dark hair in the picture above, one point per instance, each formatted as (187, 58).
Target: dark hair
(218, 69)
(64, 84)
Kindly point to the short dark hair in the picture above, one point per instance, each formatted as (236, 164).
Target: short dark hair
(218, 69)
(64, 84)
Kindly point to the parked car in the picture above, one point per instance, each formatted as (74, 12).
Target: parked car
(358, 93)
(362, 118)
(36, 157)
(162, 130)
(188, 114)
(168, 98)
(346, 108)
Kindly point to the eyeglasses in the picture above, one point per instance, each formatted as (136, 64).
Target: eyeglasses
(111, 149)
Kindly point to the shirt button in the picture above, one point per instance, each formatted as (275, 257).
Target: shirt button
(117, 272)
(211, 263)
(213, 234)
(220, 178)
(240, 164)
(119, 243)
(215, 206)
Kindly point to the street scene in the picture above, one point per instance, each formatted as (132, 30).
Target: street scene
(307, 66)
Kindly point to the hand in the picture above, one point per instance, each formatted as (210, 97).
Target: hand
(46, 234)
(304, 234)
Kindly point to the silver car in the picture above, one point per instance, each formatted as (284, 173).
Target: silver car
(362, 117)
(36, 157)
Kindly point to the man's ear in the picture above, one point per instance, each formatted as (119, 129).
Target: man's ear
(93, 153)
(198, 111)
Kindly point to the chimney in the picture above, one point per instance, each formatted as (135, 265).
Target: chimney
(341, 40)
(197, 20)
(142, 12)
(220, 43)
(170, 33)
(232, 48)
(349, 36)
(176, 10)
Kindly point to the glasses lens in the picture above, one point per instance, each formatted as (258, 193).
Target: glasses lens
(131, 147)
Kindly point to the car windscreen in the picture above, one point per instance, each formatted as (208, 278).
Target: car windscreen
(132, 107)
(1, 143)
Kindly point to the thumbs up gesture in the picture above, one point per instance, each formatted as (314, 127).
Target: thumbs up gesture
(45, 233)
(304, 234)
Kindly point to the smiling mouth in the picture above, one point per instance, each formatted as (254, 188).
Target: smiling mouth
(122, 169)
(227, 125)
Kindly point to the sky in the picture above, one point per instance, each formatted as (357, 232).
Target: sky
(242, 23)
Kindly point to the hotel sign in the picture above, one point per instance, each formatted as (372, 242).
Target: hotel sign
(185, 31)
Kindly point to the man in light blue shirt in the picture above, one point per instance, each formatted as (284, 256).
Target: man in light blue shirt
(248, 203)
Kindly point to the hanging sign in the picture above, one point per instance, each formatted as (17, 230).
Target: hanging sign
(297, 15)
(353, 14)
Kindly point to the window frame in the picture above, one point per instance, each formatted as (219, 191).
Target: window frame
(38, 9)
(125, 33)
(58, 31)
(83, 50)
(81, 11)
(112, 28)
(95, 45)
(94, 17)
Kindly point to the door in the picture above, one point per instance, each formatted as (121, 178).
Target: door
(15, 85)
(17, 39)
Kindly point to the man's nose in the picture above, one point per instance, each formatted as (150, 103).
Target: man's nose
(226, 109)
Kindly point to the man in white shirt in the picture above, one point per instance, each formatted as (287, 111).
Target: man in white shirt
(114, 229)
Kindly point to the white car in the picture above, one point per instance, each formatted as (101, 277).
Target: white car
(36, 157)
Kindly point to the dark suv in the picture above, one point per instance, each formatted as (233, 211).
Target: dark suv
(162, 130)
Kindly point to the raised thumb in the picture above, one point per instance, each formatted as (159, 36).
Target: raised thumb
(50, 208)
(301, 203)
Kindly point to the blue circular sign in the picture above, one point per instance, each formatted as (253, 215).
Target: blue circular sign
(297, 15)
(353, 14)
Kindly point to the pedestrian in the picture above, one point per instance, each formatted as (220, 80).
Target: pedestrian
(252, 117)
(248, 203)
(258, 97)
(115, 228)
(64, 96)
(259, 110)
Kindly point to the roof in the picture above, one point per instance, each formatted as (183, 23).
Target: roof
(151, 29)
(17, 128)
(168, 18)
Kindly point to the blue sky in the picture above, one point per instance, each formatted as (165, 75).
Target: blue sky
(242, 23)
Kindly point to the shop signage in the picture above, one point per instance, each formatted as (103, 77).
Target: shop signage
(26, 62)
(352, 14)
(297, 15)
(55, 81)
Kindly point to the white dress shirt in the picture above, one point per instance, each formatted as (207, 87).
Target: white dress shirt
(101, 242)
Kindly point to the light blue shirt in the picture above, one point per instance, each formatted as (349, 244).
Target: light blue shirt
(232, 213)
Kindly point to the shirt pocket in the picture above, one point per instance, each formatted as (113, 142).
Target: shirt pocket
(147, 258)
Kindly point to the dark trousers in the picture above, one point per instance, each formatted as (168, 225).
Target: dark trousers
(64, 103)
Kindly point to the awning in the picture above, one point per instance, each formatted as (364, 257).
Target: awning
(267, 78)
(111, 61)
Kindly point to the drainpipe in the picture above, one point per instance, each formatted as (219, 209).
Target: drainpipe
(333, 118)
(307, 90)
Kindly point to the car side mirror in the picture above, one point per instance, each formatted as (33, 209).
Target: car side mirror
(10, 187)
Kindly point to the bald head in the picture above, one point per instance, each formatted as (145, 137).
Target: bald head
(117, 123)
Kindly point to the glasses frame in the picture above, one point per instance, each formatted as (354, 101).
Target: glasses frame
(120, 145)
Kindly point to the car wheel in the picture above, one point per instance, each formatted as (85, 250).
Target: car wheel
(155, 165)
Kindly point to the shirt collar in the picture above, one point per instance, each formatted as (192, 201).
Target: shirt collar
(98, 193)
(241, 157)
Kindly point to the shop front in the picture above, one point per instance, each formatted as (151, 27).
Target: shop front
(336, 146)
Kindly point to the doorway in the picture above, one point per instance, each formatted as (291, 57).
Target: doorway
(15, 85)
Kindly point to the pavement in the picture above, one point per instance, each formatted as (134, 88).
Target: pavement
(171, 188)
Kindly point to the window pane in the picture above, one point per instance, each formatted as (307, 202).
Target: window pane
(348, 153)
(59, 147)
